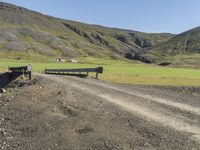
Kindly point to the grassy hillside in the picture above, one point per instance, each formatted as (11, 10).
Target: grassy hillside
(182, 50)
(26, 34)
(185, 43)
(29, 35)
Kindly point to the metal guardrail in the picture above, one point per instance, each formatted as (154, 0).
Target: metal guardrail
(22, 70)
(73, 72)
(5, 79)
(14, 73)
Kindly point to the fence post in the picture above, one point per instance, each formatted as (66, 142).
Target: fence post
(97, 75)
(10, 76)
(29, 69)
(29, 75)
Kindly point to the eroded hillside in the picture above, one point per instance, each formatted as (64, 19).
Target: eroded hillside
(30, 35)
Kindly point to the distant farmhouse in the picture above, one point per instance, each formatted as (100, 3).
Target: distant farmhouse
(67, 60)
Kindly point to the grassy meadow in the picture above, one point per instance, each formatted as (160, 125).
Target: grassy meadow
(121, 71)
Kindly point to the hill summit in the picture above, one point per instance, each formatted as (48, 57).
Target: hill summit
(29, 34)
(26, 34)
(181, 50)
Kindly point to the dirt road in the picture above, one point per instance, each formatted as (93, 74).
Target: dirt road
(58, 112)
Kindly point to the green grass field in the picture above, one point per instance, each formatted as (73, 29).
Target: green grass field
(122, 71)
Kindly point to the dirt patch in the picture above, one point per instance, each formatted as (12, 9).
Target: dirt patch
(49, 113)
(181, 89)
(19, 83)
(84, 130)
(70, 111)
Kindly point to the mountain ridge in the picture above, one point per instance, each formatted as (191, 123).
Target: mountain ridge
(27, 34)
(64, 38)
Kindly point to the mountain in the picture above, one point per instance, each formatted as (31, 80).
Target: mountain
(181, 50)
(26, 34)
(184, 43)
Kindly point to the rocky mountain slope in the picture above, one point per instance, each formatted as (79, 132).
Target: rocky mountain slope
(25, 34)
(187, 43)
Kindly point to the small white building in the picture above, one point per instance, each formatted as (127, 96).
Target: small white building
(74, 61)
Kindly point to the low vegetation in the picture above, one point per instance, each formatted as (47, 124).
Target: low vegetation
(122, 71)
(25, 36)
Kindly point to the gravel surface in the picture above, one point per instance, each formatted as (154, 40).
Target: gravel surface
(59, 112)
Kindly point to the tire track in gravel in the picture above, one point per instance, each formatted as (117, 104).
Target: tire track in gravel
(181, 106)
(142, 111)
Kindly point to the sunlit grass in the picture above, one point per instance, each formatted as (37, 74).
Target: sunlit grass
(151, 80)
(122, 71)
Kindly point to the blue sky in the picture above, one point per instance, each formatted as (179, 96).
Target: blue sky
(174, 16)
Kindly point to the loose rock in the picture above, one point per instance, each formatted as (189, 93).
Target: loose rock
(2, 90)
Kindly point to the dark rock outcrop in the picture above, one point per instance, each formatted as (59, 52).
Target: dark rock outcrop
(139, 57)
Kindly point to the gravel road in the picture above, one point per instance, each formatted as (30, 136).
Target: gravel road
(59, 112)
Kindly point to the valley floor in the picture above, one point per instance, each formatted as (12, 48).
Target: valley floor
(58, 112)
(121, 71)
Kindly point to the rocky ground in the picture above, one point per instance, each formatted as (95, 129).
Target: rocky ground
(58, 112)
